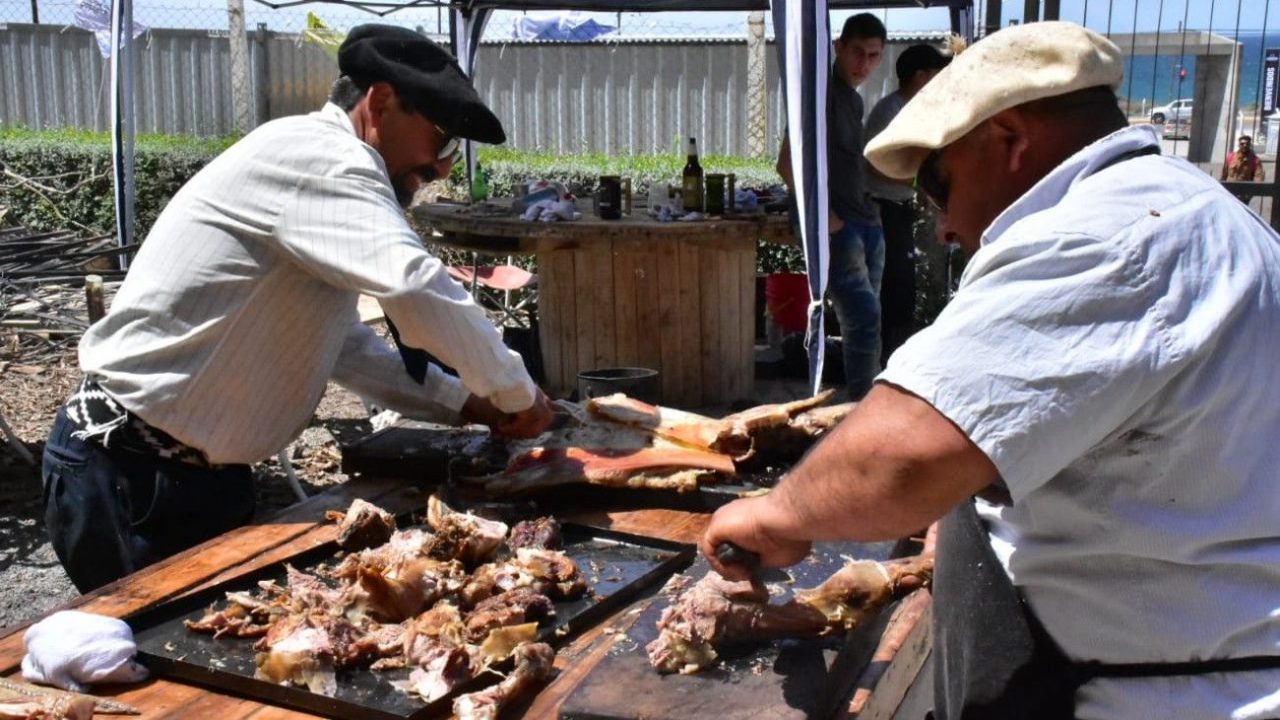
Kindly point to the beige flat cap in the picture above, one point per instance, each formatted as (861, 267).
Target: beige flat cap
(1005, 69)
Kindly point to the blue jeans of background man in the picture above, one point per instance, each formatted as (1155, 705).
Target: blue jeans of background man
(857, 266)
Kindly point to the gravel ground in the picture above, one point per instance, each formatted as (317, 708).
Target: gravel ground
(31, 579)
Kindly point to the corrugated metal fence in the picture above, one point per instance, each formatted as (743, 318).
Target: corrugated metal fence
(618, 97)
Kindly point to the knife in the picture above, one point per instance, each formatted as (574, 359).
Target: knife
(100, 705)
(731, 554)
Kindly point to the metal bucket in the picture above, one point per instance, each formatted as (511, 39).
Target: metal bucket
(638, 383)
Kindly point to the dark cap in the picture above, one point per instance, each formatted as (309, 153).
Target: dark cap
(426, 77)
(917, 58)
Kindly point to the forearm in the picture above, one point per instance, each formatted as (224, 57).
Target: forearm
(891, 468)
(372, 369)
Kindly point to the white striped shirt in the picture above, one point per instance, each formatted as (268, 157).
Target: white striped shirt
(241, 304)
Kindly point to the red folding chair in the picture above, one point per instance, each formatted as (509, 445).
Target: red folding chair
(507, 292)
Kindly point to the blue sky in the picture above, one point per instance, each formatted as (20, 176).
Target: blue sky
(1119, 15)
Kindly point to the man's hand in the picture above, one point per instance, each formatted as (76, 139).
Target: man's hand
(527, 423)
(745, 523)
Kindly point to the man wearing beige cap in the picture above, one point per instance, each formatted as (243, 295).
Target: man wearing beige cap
(1104, 380)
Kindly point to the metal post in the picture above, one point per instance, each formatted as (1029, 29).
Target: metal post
(35, 13)
(757, 98)
(1030, 11)
(1051, 9)
(993, 17)
(1275, 197)
(241, 95)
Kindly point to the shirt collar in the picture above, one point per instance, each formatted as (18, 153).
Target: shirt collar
(1049, 191)
(333, 114)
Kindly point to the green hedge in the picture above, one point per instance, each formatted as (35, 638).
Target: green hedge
(62, 179)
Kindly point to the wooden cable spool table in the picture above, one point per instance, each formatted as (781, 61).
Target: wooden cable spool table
(677, 297)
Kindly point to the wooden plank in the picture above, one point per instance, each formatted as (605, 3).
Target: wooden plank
(648, 319)
(904, 647)
(626, 339)
(602, 284)
(747, 316)
(585, 302)
(732, 326)
(689, 326)
(668, 335)
(551, 319)
(711, 367)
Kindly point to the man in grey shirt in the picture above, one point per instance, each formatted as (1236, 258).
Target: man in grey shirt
(915, 67)
(857, 242)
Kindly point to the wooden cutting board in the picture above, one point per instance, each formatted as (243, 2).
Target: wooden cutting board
(786, 680)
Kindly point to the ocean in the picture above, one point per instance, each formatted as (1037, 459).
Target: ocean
(1158, 79)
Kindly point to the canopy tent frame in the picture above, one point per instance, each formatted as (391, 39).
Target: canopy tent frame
(802, 29)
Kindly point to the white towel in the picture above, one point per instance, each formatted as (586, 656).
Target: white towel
(72, 649)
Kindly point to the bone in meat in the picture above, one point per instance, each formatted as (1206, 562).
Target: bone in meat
(732, 435)
(513, 607)
(533, 665)
(363, 525)
(716, 611)
(646, 467)
(46, 708)
(445, 668)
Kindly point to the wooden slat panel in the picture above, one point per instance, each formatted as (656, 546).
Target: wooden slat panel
(689, 327)
(602, 284)
(648, 321)
(711, 263)
(667, 333)
(626, 262)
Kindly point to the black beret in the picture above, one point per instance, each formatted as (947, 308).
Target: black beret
(425, 75)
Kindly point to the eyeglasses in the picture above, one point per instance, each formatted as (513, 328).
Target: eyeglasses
(451, 150)
(935, 189)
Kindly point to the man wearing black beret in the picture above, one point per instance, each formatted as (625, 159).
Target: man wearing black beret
(241, 306)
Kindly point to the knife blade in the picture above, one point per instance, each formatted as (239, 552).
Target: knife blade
(100, 705)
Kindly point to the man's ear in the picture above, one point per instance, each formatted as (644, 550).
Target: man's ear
(1011, 132)
(380, 97)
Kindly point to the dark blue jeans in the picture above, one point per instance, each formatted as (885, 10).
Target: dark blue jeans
(110, 512)
(857, 265)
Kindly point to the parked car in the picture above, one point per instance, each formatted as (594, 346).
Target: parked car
(1176, 110)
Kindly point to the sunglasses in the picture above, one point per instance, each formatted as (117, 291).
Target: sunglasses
(935, 189)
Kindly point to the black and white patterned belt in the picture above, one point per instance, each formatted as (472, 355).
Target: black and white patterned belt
(98, 418)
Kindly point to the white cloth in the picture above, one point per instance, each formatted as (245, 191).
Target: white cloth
(241, 304)
(1112, 349)
(73, 649)
(884, 111)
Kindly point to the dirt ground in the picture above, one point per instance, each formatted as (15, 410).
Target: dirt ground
(31, 579)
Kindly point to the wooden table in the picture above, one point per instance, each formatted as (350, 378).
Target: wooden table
(678, 297)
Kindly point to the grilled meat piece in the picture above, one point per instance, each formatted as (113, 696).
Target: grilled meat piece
(549, 572)
(463, 536)
(533, 665)
(444, 668)
(542, 533)
(363, 525)
(715, 611)
(666, 468)
(513, 607)
(234, 620)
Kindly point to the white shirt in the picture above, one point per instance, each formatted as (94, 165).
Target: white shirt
(241, 304)
(1113, 348)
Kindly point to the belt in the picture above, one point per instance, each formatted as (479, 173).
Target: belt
(101, 419)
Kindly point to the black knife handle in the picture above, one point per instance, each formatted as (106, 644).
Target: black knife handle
(729, 553)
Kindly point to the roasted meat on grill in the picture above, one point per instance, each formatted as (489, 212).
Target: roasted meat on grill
(716, 611)
(541, 533)
(363, 525)
(462, 536)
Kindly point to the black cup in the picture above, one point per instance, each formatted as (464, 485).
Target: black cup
(610, 195)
